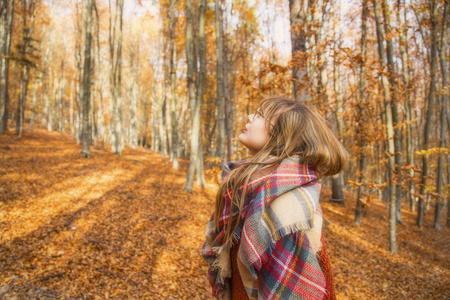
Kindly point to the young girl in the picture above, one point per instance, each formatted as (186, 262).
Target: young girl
(264, 240)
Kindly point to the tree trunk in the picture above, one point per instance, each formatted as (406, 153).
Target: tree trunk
(115, 49)
(162, 127)
(226, 92)
(336, 180)
(192, 99)
(298, 9)
(6, 26)
(361, 113)
(444, 107)
(220, 87)
(156, 145)
(173, 78)
(196, 156)
(404, 54)
(389, 129)
(86, 81)
(37, 83)
(62, 100)
(428, 120)
(393, 87)
(201, 79)
(72, 87)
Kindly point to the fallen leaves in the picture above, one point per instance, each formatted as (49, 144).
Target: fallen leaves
(114, 227)
(100, 228)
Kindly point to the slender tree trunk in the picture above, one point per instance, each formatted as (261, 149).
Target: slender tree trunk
(133, 94)
(196, 157)
(119, 129)
(337, 191)
(37, 83)
(62, 98)
(226, 92)
(50, 112)
(220, 87)
(389, 129)
(444, 107)
(6, 19)
(115, 49)
(156, 138)
(28, 12)
(20, 115)
(298, 14)
(361, 113)
(393, 87)
(428, 119)
(192, 98)
(86, 81)
(403, 36)
(201, 80)
(72, 94)
(162, 126)
(173, 78)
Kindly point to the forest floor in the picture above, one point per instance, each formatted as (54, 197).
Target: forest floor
(113, 227)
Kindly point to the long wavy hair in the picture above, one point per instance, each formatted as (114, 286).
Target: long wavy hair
(297, 129)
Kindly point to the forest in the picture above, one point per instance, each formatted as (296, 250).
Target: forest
(117, 117)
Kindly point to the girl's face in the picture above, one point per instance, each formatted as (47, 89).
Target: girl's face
(255, 134)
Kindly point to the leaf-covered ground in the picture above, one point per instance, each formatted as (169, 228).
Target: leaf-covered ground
(123, 228)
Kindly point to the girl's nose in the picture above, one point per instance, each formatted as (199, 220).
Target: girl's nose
(250, 118)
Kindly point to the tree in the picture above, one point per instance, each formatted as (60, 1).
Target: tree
(395, 121)
(115, 76)
(406, 69)
(430, 107)
(6, 26)
(86, 80)
(220, 85)
(444, 108)
(362, 160)
(195, 99)
(298, 14)
(173, 78)
(389, 128)
(25, 58)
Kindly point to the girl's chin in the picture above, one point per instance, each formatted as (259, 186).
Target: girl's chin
(241, 138)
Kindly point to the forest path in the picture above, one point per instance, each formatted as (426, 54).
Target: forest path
(123, 228)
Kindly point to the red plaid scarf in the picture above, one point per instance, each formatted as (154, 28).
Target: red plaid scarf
(264, 186)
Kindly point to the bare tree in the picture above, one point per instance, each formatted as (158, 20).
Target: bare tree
(26, 62)
(195, 99)
(86, 80)
(298, 14)
(6, 26)
(389, 127)
(444, 108)
(174, 97)
(115, 75)
(430, 107)
(362, 160)
(220, 86)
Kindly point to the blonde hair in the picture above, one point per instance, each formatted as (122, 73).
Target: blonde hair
(297, 129)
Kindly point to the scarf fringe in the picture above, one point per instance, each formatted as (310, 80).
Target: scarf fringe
(222, 262)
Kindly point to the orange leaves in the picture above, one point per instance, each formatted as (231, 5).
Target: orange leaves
(363, 268)
(90, 228)
(355, 184)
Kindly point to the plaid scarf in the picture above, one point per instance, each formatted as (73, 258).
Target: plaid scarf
(260, 229)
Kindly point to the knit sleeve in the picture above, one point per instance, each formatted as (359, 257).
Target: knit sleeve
(292, 271)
